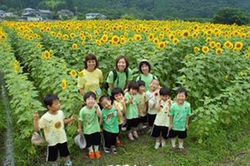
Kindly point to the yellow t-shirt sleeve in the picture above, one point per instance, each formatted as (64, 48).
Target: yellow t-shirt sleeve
(100, 76)
(80, 82)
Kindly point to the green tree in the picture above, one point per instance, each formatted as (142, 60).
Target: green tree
(230, 15)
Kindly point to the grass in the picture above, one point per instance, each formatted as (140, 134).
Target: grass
(231, 147)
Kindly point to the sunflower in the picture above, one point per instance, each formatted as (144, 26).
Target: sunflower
(82, 36)
(98, 42)
(212, 44)
(218, 45)
(175, 41)
(38, 45)
(194, 35)
(73, 73)
(105, 38)
(208, 40)
(64, 84)
(58, 125)
(115, 39)
(226, 77)
(161, 45)
(59, 35)
(219, 51)
(46, 55)
(83, 43)
(81, 74)
(238, 46)
(156, 40)
(16, 66)
(65, 37)
(123, 40)
(228, 45)
(196, 49)
(205, 49)
(171, 36)
(137, 37)
(185, 34)
(74, 46)
(72, 35)
(151, 37)
(246, 54)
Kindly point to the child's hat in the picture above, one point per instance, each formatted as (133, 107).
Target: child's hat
(80, 141)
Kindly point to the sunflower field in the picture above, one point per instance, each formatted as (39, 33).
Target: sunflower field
(211, 60)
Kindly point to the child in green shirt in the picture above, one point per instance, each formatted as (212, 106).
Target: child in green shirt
(88, 120)
(180, 112)
(132, 101)
(117, 96)
(110, 124)
(142, 107)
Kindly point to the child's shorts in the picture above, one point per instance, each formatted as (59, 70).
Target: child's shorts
(93, 139)
(132, 123)
(143, 119)
(160, 131)
(53, 151)
(151, 119)
(120, 128)
(180, 134)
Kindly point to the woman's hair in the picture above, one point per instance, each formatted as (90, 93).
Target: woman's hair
(91, 57)
(118, 59)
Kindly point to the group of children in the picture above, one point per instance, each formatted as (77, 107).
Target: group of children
(129, 106)
(136, 107)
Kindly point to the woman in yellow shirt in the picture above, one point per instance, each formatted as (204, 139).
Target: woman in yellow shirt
(91, 77)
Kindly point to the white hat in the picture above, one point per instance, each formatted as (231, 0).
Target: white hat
(80, 141)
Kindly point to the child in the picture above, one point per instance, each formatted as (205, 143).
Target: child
(161, 123)
(179, 119)
(132, 101)
(119, 103)
(145, 75)
(142, 107)
(88, 120)
(151, 96)
(52, 123)
(110, 124)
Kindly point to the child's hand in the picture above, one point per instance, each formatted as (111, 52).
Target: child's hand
(79, 131)
(73, 117)
(132, 99)
(187, 126)
(122, 99)
(169, 102)
(116, 108)
(96, 106)
(170, 127)
(36, 116)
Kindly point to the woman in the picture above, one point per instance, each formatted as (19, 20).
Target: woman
(145, 75)
(92, 76)
(121, 75)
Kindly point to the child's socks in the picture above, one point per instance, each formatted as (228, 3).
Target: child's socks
(173, 141)
(96, 147)
(90, 149)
